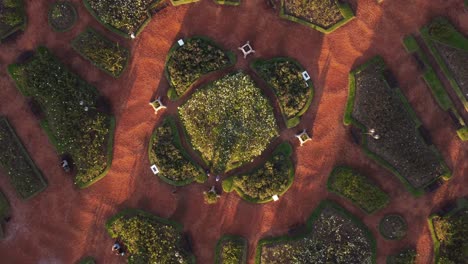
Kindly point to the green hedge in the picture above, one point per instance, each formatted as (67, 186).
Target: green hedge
(357, 188)
(24, 176)
(103, 53)
(345, 11)
(13, 18)
(235, 259)
(228, 2)
(182, 2)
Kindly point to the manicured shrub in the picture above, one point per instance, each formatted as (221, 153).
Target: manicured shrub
(62, 16)
(72, 122)
(274, 177)
(231, 250)
(147, 238)
(357, 188)
(198, 56)
(406, 256)
(229, 121)
(102, 52)
(284, 76)
(324, 13)
(15, 161)
(174, 164)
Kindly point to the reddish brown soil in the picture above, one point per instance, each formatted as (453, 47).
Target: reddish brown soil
(62, 224)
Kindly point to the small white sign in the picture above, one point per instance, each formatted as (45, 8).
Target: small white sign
(154, 169)
(275, 197)
(181, 42)
(305, 75)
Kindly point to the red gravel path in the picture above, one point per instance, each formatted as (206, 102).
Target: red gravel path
(63, 224)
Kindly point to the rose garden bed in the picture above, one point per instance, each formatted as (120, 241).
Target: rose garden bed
(450, 235)
(450, 49)
(284, 76)
(73, 118)
(231, 250)
(105, 54)
(389, 128)
(333, 235)
(196, 57)
(62, 16)
(393, 227)
(148, 238)
(12, 17)
(323, 15)
(229, 121)
(167, 153)
(17, 164)
(275, 177)
(359, 189)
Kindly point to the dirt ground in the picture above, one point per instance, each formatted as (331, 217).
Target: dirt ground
(63, 224)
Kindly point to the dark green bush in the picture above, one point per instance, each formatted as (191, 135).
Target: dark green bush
(102, 52)
(72, 121)
(356, 187)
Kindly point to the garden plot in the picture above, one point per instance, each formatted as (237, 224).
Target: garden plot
(450, 235)
(173, 162)
(450, 49)
(12, 17)
(406, 256)
(359, 189)
(333, 236)
(293, 92)
(148, 238)
(390, 128)
(190, 59)
(322, 15)
(62, 16)
(73, 119)
(231, 250)
(105, 54)
(229, 121)
(275, 177)
(16, 163)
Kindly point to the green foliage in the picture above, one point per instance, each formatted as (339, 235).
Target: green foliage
(357, 188)
(15, 161)
(324, 13)
(12, 3)
(148, 239)
(198, 56)
(406, 256)
(229, 121)
(210, 197)
(463, 133)
(393, 227)
(167, 153)
(228, 184)
(452, 234)
(285, 77)
(232, 251)
(274, 177)
(102, 52)
(62, 16)
(73, 121)
(12, 17)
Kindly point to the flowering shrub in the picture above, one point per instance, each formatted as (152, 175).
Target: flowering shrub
(147, 238)
(196, 57)
(168, 155)
(72, 120)
(229, 121)
(102, 52)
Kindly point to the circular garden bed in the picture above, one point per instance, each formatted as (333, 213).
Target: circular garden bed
(393, 227)
(62, 16)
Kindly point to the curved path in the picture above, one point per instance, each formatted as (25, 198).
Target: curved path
(62, 224)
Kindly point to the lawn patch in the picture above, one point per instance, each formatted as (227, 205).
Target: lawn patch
(174, 163)
(450, 49)
(393, 227)
(73, 121)
(62, 16)
(359, 189)
(450, 235)
(148, 238)
(17, 164)
(12, 17)
(389, 129)
(123, 17)
(229, 121)
(284, 76)
(102, 52)
(275, 177)
(231, 250)
(196, 57)
(333, 235)
(406, 256)
(323, 15)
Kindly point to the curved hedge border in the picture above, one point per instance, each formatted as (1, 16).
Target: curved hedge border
(172, 93)
(182, 2)
(228, 2)
(74, 13)
(349, 120)
(219, 247)
(345, 10)
(309, 229)
(178, 144)
(294, 121)
(285, 148)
